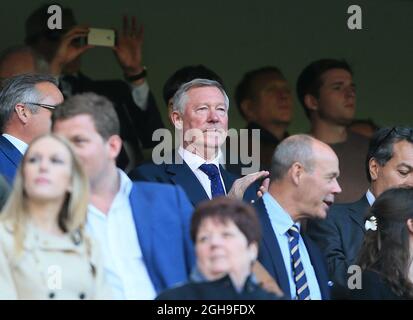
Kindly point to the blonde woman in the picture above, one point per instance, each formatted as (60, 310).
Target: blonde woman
(44, 252)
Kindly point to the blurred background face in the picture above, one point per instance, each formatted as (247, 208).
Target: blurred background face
(397, 171)
(205, 118)
(320, 186)
(47, 170)
(223, 249)
(18, 63)
(88, 144)
(273, 101)
(337, 97)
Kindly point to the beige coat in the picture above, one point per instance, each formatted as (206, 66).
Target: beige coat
(50, 267)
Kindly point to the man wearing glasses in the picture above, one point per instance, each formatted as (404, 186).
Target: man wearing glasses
(26, 105)
(389, 163)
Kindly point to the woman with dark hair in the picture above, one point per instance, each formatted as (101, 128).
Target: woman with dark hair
(387, 251)
(226, 233)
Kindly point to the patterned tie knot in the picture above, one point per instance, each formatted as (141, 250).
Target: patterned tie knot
(294, 232)
(211, 170)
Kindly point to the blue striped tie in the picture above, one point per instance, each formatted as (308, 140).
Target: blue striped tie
(212, 171)
(301, 285)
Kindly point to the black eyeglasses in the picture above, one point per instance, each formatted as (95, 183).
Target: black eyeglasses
(47, 106)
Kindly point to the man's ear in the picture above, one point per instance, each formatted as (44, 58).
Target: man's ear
(409, 223)
(23, 113)
(114, 144)
(253, 250)
(311, 102)
(374, 169)
(247, 107)
(296, 172)
(177, 120)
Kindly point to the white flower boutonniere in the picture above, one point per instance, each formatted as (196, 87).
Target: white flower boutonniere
(371, 223)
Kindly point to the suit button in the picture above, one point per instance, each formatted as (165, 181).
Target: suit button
(82, 296)
(51, 295)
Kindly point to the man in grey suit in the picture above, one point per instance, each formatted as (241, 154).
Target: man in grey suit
(389, 163)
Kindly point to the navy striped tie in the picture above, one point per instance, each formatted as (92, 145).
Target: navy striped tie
(212, 171)
(301, 285)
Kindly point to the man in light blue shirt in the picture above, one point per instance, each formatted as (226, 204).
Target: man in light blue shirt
(303, 184)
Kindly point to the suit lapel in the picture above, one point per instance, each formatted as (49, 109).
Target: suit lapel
(10, 151)
(182, 175)
(227, 177)
(270, 242)
(357, 212)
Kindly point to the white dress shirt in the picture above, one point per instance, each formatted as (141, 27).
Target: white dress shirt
(20, 145)
(194, 162)
(125, 268)
(281, 222)
(370, 197)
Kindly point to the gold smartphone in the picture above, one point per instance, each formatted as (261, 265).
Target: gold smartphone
(101, 37)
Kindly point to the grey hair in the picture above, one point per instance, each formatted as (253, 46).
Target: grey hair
(297, 148)
(20, 89)
(40, 63)
(180, 98)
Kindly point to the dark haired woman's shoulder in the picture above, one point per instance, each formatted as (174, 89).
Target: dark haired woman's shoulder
(374, 287)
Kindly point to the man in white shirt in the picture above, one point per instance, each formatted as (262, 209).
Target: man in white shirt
(26, 105)
(200, 115)
(389, 163)
(143, 228)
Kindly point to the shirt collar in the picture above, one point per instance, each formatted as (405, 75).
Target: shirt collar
(370, 197)
(280, 218)
(123, 192)
(194, 161)
(19, 144)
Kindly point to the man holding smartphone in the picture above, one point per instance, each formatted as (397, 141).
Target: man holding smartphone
(134, 103)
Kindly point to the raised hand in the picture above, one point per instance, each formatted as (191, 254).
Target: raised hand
(240, 185)
(68, 51)
(128, 49)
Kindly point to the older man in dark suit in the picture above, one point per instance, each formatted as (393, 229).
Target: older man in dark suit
(389, 163)
(200, 115)
(303, 185)
(26, 105)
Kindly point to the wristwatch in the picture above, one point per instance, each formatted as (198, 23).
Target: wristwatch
(138, 76)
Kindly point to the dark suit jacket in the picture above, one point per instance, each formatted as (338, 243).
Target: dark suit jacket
(180, 174)
(162, 215)
(136, 125)
(221, 289)
(374, 287)
(271, 257)
(340, 237)
(4, 191)
(10, 158)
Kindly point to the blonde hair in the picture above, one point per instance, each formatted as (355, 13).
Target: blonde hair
(72, 215)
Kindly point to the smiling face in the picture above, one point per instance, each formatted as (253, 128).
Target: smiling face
(318, 187)
(337, 97)
(47, 170)
(221, 248)
(204, 122)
